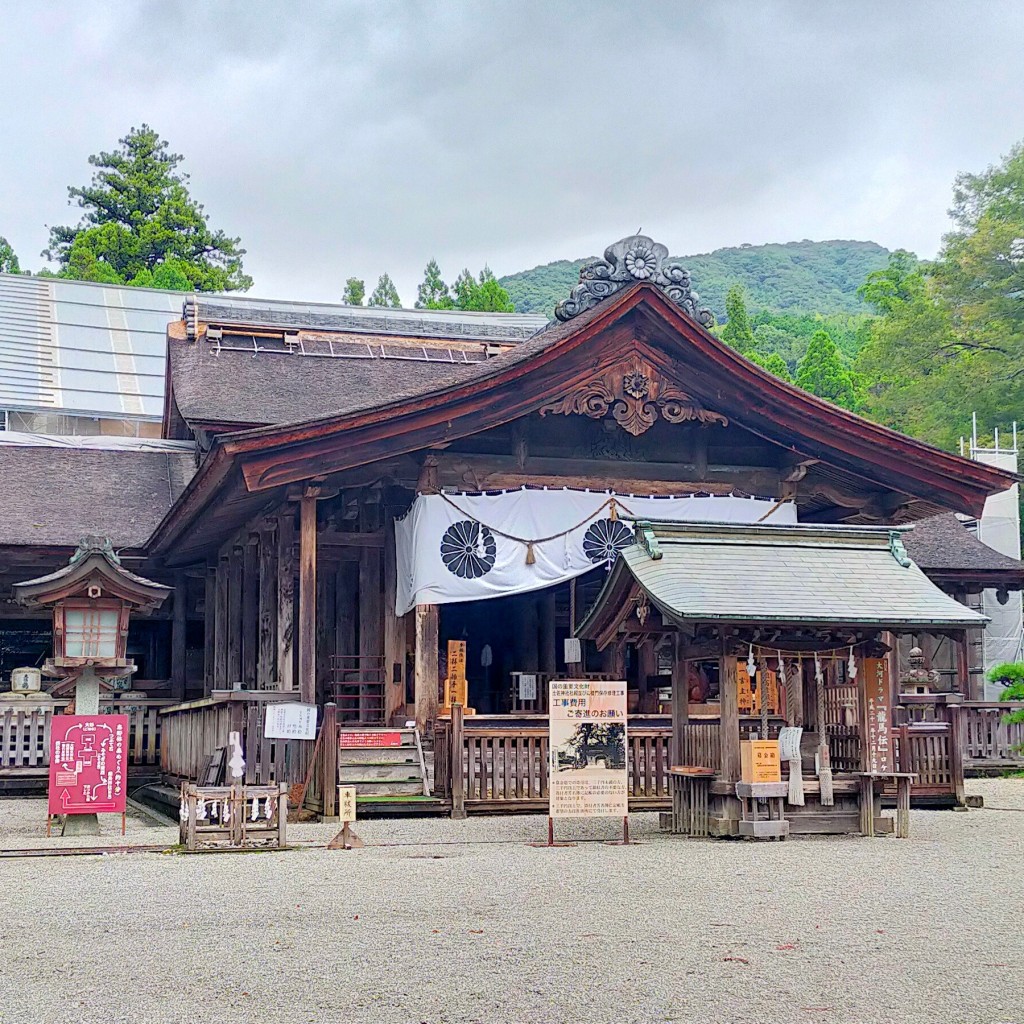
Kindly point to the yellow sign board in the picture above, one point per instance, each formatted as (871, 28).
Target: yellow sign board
(759, 761)
(347, 803)
(455, 686)
(749, 699)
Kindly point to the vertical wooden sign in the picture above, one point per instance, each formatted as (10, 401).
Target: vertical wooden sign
(455, 686)
(744, 690)
(876, 716)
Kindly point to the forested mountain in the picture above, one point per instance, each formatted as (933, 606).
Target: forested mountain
(794, 277)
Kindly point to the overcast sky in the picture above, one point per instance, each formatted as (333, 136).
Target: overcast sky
(348, 139)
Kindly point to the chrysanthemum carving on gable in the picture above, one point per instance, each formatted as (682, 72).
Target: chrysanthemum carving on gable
(634, 395)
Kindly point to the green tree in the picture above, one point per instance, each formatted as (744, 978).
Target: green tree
(482, 294)
(773, 363)
(385, 294)
(898, 282)
(354, 293)
(737, 331)
(433, 292)
(8, 259)
(822, 372)
(139, 216)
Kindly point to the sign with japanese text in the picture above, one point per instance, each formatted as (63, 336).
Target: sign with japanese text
(290, 721)
(877, 717)
(348, 738)
(587, 751)
(347, 803)
(760, 761)
(88, 764)
(527, 684)
(750, 693)
(455, 687)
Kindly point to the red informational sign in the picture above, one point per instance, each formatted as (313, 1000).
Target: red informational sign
(369, 739)
(88, 764)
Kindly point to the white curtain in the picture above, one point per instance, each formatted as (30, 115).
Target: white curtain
(465, 547)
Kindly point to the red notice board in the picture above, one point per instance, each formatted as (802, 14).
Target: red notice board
(88, 764)
(349, 739)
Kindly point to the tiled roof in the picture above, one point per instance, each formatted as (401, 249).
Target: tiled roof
(766, 574)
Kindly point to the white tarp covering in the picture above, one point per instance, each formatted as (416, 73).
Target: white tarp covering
(465, 547)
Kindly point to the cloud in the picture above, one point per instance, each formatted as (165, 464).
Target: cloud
(341, 139)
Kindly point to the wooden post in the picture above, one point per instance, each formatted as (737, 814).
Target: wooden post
(266, 658)
(330, 762)
(307, 595)
(209, 627)
(546, 631)
(903, 807)
(286, 601)
(250, 611)
(458, 780)
(963, 666)
(179, 625)
(680, 699)
(425, 672)
(282, 814)
(956, 753)
(647, 666)
(235, 587)
(220, 664)
(394, 629)
(370, 595)
(729, 734)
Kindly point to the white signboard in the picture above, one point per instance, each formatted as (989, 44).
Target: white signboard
(527, 685)
(290, 721)
(587, 744)
(347, 803)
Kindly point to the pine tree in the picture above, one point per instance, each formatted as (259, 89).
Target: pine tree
(138, 217)
(483, 294)
(464, 289)
(433, 292)
(737, 331)
(385, 294)
(8, 259)
(354, 293)
(822, 372)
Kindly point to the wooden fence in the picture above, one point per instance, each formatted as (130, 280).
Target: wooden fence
(990, 742)
(25, 734)
(193, 731)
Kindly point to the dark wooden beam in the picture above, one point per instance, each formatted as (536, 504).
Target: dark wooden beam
(179, 626)
(307, 595)
(285, 601)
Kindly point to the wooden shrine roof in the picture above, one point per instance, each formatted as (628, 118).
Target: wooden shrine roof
(948, 551)
(562, 361)
(55, 496)
(764, 575)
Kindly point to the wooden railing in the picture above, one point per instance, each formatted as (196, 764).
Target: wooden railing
(989, 741)
(194, 730)
(25, 734)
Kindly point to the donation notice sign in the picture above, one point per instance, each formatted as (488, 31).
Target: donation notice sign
(587, 748)
(88, 764)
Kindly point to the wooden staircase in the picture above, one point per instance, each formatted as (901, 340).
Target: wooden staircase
(387, 768)
(358, 687)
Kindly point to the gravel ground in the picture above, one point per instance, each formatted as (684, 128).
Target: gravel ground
(439, 921)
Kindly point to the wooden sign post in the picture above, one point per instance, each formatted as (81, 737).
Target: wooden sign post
(346, 839)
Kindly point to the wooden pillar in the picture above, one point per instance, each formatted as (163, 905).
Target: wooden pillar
(546, 631)
(286, 601)
(956, 752)
(346, 600)
(220, 664)
(234, 656)
(458, 780)
(179, 625)
(326, 623)
(647, 666)
(680, 699)
(266, 657)
(307, 595)
(371, 594)
(425, 672)
(729, 730)
(963, 667)
(250, 610)
(330, 761)
(209, 627)
(394, 628)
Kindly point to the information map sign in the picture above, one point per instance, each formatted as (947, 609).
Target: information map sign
(88, 764)
(587, 748)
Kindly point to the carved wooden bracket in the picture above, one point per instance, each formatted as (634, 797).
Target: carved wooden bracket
(635, 395)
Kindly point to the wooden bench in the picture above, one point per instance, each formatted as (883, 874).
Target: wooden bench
(690, 785)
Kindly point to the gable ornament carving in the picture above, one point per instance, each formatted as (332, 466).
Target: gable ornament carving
(634, 395)
(637, 258)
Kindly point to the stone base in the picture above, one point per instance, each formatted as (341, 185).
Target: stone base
(81, 825)
(764, 829)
